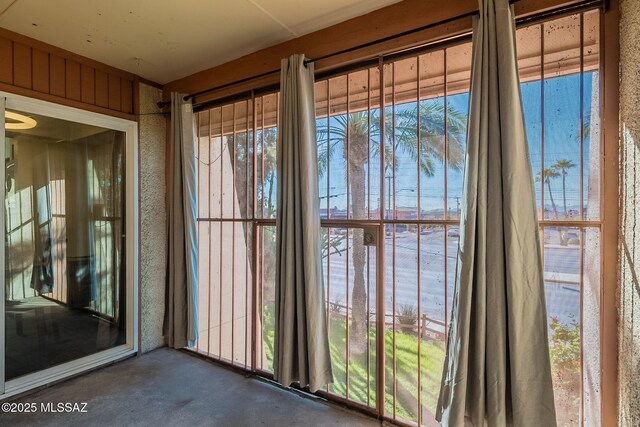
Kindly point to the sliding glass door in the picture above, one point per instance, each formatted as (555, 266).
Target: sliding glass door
(65, 240)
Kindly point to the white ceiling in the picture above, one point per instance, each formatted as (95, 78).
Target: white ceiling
(163, 40)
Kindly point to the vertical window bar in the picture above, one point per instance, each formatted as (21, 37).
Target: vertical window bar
(198, 152)
(368, 249)
(581, 130)
(446, 142)
(348, 142)
(262, 152)
(262, 301)
(273, 215)
(582, 240)
(582, 230)
(234, 192)
(542, 128)
(393, 317)
(245, 226)
(368, 147)
(349, 231)
(394, 215)
(197, 155)
(328, 210)
(254, 250)
(418, 157)
(446, 197)
(246, 159)
(209, 237)
(542, 138)
(254, 166)
(328, 279)
(222, 148)
(328, 150)
(368, 328)
(380, 258)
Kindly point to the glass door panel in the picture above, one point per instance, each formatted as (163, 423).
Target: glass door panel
(64, 241)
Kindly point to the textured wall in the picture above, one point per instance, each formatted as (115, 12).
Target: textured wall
(153, 218)
(629, 296)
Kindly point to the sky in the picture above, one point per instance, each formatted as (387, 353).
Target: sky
(561, 141)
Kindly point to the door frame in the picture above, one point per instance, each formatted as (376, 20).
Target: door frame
(130, 347)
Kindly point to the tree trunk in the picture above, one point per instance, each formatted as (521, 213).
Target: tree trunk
(553, 203)
(359, 293)
(555, 212)
(564, 193)
(357, 160)
(564, 237)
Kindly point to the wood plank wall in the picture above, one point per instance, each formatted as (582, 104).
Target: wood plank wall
(35, 69)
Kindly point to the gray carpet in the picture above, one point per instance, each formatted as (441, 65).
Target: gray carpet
(169, 388)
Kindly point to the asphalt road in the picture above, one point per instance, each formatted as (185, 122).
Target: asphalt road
(562, 274)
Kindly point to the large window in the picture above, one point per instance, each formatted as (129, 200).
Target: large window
(395, 172)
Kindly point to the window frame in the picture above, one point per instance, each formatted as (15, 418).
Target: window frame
(609, 202)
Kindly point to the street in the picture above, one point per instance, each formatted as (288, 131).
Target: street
(562, 275)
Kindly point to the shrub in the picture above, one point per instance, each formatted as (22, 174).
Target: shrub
(407, 317)
(565, 364)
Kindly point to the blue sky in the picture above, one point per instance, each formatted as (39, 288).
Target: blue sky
(561, 136)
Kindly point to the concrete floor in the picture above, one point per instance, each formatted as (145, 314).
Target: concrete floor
(170, 388)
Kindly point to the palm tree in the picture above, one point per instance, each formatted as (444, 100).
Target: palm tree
(359, 132)
(562, 166)
(547, 175)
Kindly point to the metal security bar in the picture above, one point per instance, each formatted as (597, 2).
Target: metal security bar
(391, 141)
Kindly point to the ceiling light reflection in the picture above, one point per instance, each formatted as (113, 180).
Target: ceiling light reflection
(21, 121)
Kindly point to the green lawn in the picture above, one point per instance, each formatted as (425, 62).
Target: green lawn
(406, 362)
(565, 347)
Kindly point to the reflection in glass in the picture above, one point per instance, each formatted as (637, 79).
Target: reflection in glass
(64, 271)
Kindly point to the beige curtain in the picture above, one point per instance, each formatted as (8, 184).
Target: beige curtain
(181, 310)
(301, 343)
(497, 368)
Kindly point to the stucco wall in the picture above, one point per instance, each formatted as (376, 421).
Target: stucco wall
(629, 296)
(153, 218)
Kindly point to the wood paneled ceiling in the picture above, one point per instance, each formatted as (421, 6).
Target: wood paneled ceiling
(163, 40)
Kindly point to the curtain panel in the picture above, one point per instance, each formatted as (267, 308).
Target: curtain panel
(497, 369)
(181, 305)
(301, 352)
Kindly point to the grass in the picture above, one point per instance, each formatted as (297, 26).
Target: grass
(564, 354)
(406, 363)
